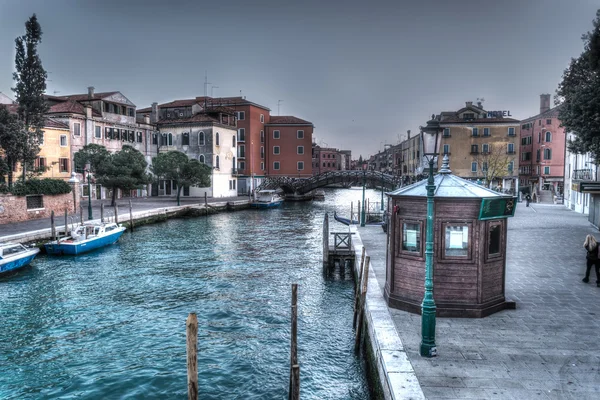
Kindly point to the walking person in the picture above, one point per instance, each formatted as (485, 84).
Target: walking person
(527, 199)
(591, 246)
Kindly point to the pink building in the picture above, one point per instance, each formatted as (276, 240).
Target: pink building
(543, 141)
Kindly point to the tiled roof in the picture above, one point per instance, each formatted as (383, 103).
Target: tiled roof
(287, 120)
(477, 120)
(229, 101)
(551, 113)
(52, 123)
(72, 107)
(82, 97)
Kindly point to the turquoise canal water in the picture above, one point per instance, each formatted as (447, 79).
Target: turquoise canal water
(111, 324)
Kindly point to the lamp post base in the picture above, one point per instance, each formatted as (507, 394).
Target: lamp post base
(428, 347)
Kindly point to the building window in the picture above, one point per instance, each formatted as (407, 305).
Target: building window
(40, 163)
(201, 158)
(511, 166)
(473, 166)
(484, 166)
(300, 135)
(262, 118)
(447, 132)
(475, 132)
(262, 152)
(547, 154)
(539, 136)
(241, 135)
(170, 139)
(217, 162)
(185, 140)
(242, 165)
(411, 237)
(139, 137)
(201, 139)
(537, 155)
(446, 149)
(217, 139)
(510, 148)
(276, 165)
(63, 140)
(486, 131)
(98, 132)
(241, 115)
(131, 112)
(474, 149)
(77, 129)
(233, 141)
(35, 201)
(262, 136)
(300, 150)
(275, 149)
(276, 135)
(456, 243)
(155, 138)
(548, 136)
(63, 165)
(300, 165)
(485, 148)
(546, 170)
(548, 121)
(511, 131)
(242, 151)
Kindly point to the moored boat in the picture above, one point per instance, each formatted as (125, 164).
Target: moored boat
(267, 199)
(14, 256)
(86, 237)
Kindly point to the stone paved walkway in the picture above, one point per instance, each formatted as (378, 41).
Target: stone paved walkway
(548, 348)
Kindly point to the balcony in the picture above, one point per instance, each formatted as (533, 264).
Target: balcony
(236, 172)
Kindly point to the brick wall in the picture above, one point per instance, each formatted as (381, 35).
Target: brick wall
(14, 208)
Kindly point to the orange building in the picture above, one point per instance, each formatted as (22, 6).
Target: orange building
(289, 147)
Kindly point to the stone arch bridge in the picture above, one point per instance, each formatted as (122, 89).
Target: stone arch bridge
(301, 186)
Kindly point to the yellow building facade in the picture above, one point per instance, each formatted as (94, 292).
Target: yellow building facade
(55, 151)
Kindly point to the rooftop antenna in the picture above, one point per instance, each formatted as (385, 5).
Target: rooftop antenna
(206, 83)
(278, 103)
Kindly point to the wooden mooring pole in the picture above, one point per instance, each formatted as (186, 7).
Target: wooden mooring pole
(205, 204)
(358, 211)
(294, 389)
(326, 241)
(130, 217)
(101, 212)
(52, 226)
(357, 287)
(191, 330)
(66, 222)
(363, 296)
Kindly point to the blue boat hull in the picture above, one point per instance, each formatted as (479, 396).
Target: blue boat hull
(16, 264)
(266, 205)
(75, 248)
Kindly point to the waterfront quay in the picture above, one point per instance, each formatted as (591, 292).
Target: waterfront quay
(547, 348)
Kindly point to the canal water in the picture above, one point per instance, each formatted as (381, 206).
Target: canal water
(111, 324)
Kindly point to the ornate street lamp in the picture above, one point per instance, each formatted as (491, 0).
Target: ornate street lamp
(89, 175)
(430, 134)
(73, 181)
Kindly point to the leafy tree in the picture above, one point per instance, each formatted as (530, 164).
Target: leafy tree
(578, 95)
(30, 85)
(125, 169)
(13, 141)
(495, 163)
(177, 167)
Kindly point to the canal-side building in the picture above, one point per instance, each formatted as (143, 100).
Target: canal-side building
(107, 119)
(543, 142)
(288, 145)
(327, 159)
(204, 133)
(484, 145)
(54, 158)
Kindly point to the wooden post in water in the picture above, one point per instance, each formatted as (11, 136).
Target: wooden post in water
(205, 204)
(101, 212)
(358, 212)
(52, 226)
(294, 390)
(357, 291)
(191, 330)
(116, 214)
(325, 240)
(130, 216)
(66, 222)
(363, 295)
(351, 211)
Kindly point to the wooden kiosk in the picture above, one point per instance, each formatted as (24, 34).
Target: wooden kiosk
(469, 247)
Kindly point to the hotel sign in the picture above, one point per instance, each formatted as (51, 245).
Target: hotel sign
(497, 208)
(498, 114)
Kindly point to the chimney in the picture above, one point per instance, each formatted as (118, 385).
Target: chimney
(469, 103)
(154, 113)
(90, 92)
(408, 132)
(147, 119)
(479, 104)
(88, 111)
(544, 103)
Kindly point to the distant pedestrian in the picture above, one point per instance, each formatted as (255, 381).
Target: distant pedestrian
(591, 246)
(527, 199)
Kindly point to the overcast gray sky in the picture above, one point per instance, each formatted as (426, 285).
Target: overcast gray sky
(364, 72)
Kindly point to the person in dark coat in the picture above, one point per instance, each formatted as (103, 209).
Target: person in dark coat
(591, 246)
(527, 199)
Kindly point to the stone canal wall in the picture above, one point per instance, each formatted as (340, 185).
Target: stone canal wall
(388, 366)
(139, 218)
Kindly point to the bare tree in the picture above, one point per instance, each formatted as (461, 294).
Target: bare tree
(495, 162)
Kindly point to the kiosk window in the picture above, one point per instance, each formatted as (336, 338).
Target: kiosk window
(457, 241)
(411, 237)
(494, 243)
